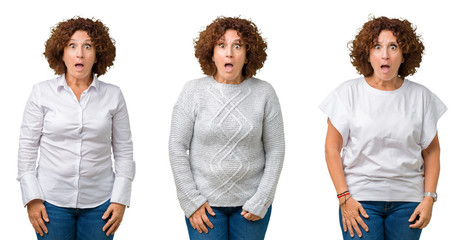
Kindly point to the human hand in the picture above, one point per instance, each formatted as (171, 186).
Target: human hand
(424, 212)
(116, 211)
(250, 216)
(37, 216)
(199, 218)
(351, 218)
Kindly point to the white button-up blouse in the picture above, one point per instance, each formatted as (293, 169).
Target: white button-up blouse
(76, 141)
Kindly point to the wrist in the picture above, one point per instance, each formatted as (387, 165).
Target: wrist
(431, 195)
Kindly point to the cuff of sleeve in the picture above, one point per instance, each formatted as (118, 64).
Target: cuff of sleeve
(194, 205)
(122, 189)
(255, 208)
(30, 189)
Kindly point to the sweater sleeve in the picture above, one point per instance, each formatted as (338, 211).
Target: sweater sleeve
(124, 165)
(29, 141)
(182, 125)
(274, 149)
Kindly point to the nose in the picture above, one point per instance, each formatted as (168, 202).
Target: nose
(385, 53)
(229, 52)
(79, 52)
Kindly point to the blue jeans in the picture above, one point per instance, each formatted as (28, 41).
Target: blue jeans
(229, 224)
(387, 221)
(75, 223)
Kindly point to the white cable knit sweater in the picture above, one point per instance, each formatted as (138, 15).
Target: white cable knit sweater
(227, 145)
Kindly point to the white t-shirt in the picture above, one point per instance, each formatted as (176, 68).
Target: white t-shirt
(383, 134)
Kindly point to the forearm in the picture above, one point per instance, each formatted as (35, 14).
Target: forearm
(333, 147)
(431, 156)
(335, 167)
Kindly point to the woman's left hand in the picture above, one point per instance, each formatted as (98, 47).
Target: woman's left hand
(116, 211)
(424, 211)
(249, 216)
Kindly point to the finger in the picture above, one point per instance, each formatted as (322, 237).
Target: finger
(344, 224)
(363, 212)
(191, 222)
(210, 210)
(196, 224)
(37, 228)
(417, 224)
(356, 228)
(203, 227)
(350, 227)
(107, 212)
(243, 212)
(426, 223)
(45, 218)
(206, 221)
(413, 216)
(107, 225)
(113, 228)
(45, 215)
(42, 225)
(362, 223)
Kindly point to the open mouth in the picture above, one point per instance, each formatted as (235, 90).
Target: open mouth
(385, 68)
(79, 66)
(229, 67)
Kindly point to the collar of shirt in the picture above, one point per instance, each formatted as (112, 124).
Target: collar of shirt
(62, 84)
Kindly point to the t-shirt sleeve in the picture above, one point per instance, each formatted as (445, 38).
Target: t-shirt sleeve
(337, 113)
(435, 108)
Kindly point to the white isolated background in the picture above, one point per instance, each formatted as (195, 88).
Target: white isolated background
(307, 58)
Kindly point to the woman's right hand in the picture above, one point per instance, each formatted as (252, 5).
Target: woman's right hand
(37, 216)
(199, 218)
(351, 218)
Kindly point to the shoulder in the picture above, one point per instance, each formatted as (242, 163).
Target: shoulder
(107, 88)
(197, 83)
(47, 85)
(417, 87)
(258, 83)
(348, 89)
(195, 86)
(262, 87)
(350, 85)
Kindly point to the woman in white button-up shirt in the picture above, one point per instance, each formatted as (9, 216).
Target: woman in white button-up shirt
(76, 121)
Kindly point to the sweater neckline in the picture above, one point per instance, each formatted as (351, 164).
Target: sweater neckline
(219, 85)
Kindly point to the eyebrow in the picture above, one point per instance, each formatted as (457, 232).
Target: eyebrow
(85, 40)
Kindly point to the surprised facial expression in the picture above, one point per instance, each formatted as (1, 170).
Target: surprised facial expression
(386, 57)
(229, 56)
(79, 56)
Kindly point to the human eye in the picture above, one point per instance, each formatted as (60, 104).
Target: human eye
(237, 46)
(377, 46)
(393, 47)
(221, 45)
(71, 45)
(87, 46)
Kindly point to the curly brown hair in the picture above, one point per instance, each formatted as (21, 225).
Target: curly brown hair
(409, 42)
(247, 31)
(105, 51)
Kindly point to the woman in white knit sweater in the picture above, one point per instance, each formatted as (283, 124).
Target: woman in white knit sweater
(227, 143)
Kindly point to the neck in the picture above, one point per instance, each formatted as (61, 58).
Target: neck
(229, 81)
(79, 82)
(385, 85)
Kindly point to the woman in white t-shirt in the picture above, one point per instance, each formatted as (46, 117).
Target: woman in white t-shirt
(382, 147)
